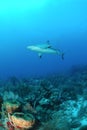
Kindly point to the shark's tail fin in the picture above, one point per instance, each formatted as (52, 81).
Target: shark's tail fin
(62, 55)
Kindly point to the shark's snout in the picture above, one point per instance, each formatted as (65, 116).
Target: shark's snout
(34, 48)
(30, 47)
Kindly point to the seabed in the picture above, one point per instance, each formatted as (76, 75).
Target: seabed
(55, 102)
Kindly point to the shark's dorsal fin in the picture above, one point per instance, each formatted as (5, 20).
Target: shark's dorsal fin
(48, 43)
(49, 46)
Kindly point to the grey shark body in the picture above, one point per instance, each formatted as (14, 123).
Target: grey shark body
(45, 48)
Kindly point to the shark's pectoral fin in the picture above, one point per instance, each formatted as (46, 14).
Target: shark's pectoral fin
(40, 55)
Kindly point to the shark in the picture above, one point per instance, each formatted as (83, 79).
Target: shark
(45, 48)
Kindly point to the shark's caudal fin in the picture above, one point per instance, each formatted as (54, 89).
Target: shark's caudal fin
(62, 56)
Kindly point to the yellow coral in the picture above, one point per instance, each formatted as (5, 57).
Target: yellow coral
(22, 120)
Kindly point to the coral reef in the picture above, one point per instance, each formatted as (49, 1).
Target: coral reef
(55, 102)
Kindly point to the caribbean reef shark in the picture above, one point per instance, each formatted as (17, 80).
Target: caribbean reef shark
(45, 48)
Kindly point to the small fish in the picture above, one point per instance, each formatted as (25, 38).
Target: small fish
(45, 48)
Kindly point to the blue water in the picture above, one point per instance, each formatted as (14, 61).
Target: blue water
(26, 22)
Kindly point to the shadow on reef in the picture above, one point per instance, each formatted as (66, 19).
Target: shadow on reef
(56, 102)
